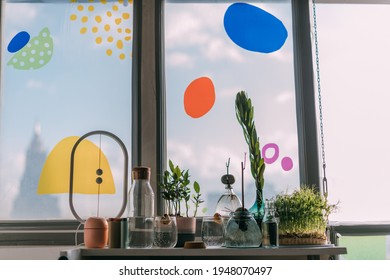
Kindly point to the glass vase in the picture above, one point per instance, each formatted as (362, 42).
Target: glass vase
(258, 209)
(242, 230)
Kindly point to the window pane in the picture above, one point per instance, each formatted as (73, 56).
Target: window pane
(354, 67)
(366, 247)
(65, 71)
(197, 45)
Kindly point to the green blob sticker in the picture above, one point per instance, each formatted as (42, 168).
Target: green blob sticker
(35, 54)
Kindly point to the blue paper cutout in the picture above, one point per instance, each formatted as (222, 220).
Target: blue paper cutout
(18, 41)
(254, 29)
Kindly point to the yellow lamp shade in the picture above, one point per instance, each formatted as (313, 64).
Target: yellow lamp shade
(92, 172)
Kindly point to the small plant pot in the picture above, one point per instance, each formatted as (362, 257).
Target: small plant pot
(186, 229)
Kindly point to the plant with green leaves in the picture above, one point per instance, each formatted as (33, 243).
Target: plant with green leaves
(245, 117)
(196, 198)
(303, 214)
(176, 191)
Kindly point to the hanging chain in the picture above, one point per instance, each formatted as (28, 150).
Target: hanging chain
(324, 180)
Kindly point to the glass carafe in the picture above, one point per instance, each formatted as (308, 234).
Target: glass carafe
(141, 209)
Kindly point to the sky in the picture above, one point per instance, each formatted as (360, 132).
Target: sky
(64, 95)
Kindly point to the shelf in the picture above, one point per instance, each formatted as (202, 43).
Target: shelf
(283, 252)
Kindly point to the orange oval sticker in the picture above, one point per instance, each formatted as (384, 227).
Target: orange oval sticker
(199, 97)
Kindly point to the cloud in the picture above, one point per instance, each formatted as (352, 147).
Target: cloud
(283, 55)
(201, 31)
(179, 25)
(180, 153)
(206, 161)
(18, 17)
(22, 14)
(34, 84)
(284, 97)
(180, 59)
(217, 49)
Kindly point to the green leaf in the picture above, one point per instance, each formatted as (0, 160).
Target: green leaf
(196, 187)
(171, 166)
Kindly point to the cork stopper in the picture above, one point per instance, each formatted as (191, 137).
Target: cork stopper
(141, 173)
(194, 245)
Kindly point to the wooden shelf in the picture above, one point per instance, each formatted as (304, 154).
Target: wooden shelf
(283, 252)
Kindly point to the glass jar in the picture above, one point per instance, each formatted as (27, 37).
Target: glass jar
(212, 231)
(141, 209)
(242, 230)
(270, 227)
(229, 201)
(165, 231)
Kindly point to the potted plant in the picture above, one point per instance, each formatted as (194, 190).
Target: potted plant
(177, 194)
(245, 116)
(303, 217)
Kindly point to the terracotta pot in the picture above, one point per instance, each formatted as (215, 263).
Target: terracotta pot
(186, 229)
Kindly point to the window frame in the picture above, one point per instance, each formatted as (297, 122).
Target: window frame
(70, 231)
(305, 95)
(304, 88)
(338, 229)
(149, 107)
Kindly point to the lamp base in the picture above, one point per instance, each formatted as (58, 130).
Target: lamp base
(95, 232)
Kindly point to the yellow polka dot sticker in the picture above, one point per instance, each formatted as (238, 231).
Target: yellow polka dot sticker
(108, 22)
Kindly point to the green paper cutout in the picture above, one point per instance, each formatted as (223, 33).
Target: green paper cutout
(36, 54)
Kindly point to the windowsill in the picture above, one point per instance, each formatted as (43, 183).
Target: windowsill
(360, 228)
(283, 252)
(40, 233)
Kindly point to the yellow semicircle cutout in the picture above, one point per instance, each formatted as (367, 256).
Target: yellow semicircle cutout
(55, 174)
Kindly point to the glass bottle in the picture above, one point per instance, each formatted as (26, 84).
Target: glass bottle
(242, 230)
(270, 226)
(229, 201)
(141, 209)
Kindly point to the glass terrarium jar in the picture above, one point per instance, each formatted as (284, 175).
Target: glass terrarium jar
(229, 201)
(242, 230)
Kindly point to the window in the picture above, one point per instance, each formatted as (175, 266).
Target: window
(354, 64)
(65, 71)
(353, 71)
(197, 47)
(84, 87)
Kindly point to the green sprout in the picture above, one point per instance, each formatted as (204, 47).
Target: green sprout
(304, 213)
